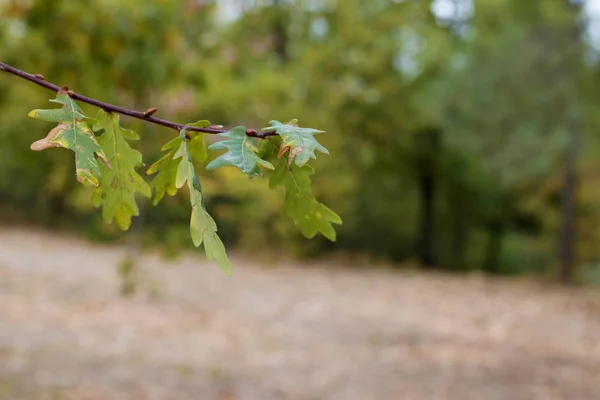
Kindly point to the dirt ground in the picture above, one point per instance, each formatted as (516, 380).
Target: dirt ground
(292, 332)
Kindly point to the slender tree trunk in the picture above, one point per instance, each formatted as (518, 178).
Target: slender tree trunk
(429, 148)
(493, 251)
(459, 230)
(427, 236)
(280, 37)
(567, 253)
(567, 237)
(459, 227)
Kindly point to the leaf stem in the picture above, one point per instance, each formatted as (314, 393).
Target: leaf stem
(145, 116)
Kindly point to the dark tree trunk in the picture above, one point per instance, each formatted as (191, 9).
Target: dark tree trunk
(459, 230)
(567, 236)
(493, 251)
(427, 236)
(567, 254)
(280, 37)
(428, 147)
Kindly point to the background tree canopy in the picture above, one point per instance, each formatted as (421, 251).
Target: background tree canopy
(463, 132)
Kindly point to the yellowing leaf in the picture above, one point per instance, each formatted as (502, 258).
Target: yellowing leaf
(166, 167)
(73, 133)
(203, 228)
(119, 185)
(166, 171)
(196, 145)
(46, 142)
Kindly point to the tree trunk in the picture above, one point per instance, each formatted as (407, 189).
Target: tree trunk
(427, 254)
(567, 236)
(493, 251)
(428, 146)
(459, 230)
(280, 37)
(567, 254)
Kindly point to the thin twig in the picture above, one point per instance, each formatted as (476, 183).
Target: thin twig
(145, 116)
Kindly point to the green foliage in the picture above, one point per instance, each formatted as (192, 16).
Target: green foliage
(72, 132)
(310, 215)
(172, 171)
(120, 183)
(299, 142)
(166, 167)
(166, 171)
(241, 154)
(376, 75)
(300, 204)
(202, 227)
(197, 143)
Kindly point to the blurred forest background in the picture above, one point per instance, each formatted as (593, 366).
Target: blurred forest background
(463, 133)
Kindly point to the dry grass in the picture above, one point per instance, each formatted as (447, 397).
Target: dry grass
(281, 333)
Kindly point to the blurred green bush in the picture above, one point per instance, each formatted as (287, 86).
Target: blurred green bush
(446, 133)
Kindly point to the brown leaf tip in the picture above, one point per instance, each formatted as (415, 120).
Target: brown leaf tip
(282, 151)
(46, 143)
(293, 153)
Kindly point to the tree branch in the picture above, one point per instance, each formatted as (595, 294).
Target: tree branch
(145, 116)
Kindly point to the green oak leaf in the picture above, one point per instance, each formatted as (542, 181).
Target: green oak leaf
(166, 171)
(118, 185)
(203, 228)
(300, 204)
(241, 154)
(300, 142)
(196, 145)
(72, 132)
(166, 167)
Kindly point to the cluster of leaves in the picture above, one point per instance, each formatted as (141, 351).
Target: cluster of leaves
(116, 181)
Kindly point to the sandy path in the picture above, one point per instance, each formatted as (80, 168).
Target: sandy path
(286, 333)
